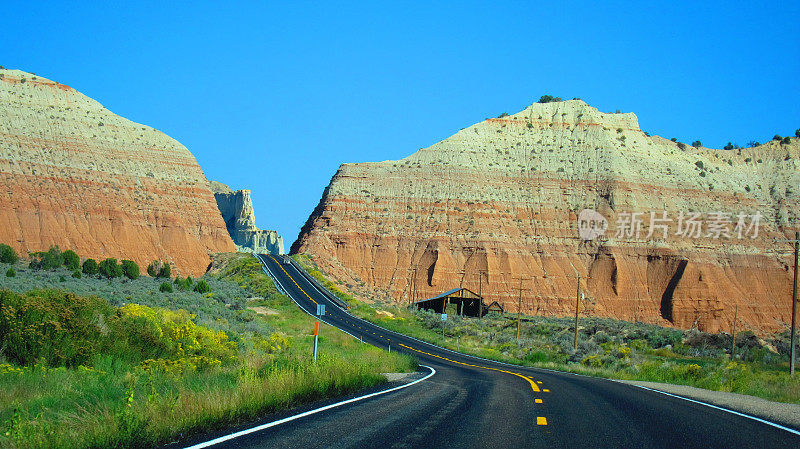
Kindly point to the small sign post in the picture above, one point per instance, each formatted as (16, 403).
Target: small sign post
(316, 339)
(320, 312)
(444, 318)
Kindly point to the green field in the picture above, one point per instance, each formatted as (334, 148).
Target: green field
(606, 348)
(95, 362)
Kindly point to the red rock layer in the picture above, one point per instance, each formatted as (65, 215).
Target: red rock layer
(74, 174)
(500, 200)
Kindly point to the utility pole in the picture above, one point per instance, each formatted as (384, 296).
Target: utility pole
(792, 338)
(577, 310)
(480, 293)
(794, 304)
(733, 332)
(519, 305)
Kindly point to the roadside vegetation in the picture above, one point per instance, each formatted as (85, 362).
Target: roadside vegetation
(606, 347)
(117, 362)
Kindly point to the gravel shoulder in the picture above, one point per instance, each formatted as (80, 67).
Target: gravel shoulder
(778, 412)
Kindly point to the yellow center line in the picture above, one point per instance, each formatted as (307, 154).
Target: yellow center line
(541, 420)
(295, 282)
(534, 387)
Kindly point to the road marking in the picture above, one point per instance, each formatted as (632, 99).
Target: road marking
(304, 414)
(534, 387)
(295, 282)
(538, 381)
(538, 401)
(541, 420)
(546, 390)
(764, 421)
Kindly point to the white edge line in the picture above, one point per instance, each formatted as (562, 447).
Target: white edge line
(763, 421)
(790, 430)
(304, 414)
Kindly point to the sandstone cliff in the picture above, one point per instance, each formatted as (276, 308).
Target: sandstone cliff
(500, 200)
(240, 219)
(76, 175)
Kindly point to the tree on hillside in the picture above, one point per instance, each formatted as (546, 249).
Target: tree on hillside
(165, 271)
(697, 144)
(753, 143)
(786, 140)
(797, 132)
(7, 254)
(110, 268)
(152, 268)
(71, 260)
(549, 99)
(130, 269)
(47, 260)
(202, 286)
(90, 267)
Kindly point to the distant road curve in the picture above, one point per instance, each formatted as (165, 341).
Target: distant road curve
(477, 403)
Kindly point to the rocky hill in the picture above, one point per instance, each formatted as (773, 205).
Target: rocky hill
(76, 175)
(240, 219)
(501, 200)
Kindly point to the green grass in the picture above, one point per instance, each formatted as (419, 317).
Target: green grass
(606, 347)
(138, 387)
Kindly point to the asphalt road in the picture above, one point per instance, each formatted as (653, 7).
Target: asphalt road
(475, 403)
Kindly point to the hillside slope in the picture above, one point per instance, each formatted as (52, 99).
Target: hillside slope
(76, 175)
(501, 199)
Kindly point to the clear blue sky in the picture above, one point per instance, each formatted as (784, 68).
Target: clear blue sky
(274, 96)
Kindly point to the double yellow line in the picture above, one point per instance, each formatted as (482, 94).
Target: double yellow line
(290, 277)
(534, 387)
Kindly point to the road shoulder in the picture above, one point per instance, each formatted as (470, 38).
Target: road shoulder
(778, 412)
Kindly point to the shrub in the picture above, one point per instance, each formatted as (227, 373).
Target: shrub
(674, 139)
(7, 254)
(54, 327)
(11, 273)
(699, 164)
(165, 287)
(504, 114)
(152, 268)
(90, 267)
(130, 269)
(549, 99)
(777, 137)
(753, 143)
(729, 146)
(165, 271)
(786, 140)
(71, 259)
(110, 268)
(183, 284)
(797, 132)
(681, 145)
(202, 287)
(697, 144)
(76, 274)
(47, 260)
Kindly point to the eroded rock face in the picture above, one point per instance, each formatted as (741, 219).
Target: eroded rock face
(501, 199)
(76, 175)
(240, 219)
